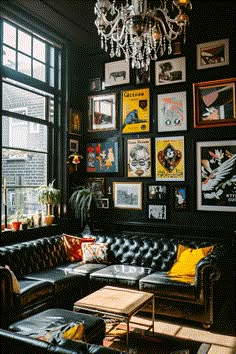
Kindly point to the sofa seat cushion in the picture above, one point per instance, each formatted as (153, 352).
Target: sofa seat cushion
(34, 291)
(82, 269)
(164, 285)
(120, 274)
(37, 324)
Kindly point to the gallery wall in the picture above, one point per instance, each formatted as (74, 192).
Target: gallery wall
(210, 22)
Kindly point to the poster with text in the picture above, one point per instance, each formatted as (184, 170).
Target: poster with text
(139, 157)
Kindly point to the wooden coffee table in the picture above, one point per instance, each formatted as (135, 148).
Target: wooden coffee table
(117, 303)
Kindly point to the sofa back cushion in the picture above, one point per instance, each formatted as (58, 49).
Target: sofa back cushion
(32, 256)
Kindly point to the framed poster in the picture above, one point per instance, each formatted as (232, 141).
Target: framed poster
(170, 158)
(139, 157)
(157, 192)
(180, 194)
(172, 112)
(102, 157)
(213, 54)
(135, 111)
(170, 71)
(74, 121)
(73, 145)
(117, 73)
(157, 212)
(127, 195)
(102, 112)
(97, 185)
(214, 103)
(216, 171)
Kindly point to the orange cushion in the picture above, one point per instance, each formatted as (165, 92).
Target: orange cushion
(187, 259)
(73, 246)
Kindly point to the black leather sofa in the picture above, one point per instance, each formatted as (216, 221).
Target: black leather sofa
(47, 278)
(16, 343)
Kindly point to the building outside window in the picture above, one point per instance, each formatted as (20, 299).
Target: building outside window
(30, 120)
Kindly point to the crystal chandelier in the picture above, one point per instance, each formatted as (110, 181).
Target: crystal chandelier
(141, 31)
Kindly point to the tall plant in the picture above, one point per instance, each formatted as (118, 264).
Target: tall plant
(80, 202)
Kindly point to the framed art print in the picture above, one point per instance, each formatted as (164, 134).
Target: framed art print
(74, 121)
(102, 112)
(213, 54)
(172, 112)
(170, 71)
(136, 111)
(117, 73)
(216, 171)
(157, 212)
(180, 194)
(102, 157)
(95, 84)
(214, 103)
(157, 192)
(139, 157)
(103, 203)
(73, 145)
(97, 185)
(127, 195)
(170, 158)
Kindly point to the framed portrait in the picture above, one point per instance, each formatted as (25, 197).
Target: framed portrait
(180, 194)
(136, 111)
(172, 112)
(102, 112)
(117, 73)
(73, 145)
(102, 157)
(170, 165)
(95, 84)
(213, 54)
(216, 171)
(157, 192)
(142, 76)
(157, 212)
(214, 103)
(97, 185)
(127, 195)
(74, 121)
(170, 71)
(103, 203)
(139, 157)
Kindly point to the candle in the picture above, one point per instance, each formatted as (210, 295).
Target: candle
(5, 190)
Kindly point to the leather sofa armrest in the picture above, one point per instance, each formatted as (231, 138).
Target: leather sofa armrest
(6, 296)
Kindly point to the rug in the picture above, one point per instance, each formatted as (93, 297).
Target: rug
(142, 342)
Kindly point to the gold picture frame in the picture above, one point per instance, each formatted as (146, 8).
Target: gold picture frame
(127, 195)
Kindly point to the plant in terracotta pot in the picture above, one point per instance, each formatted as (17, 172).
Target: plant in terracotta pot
(49, 196)
(16, 220)
(81, 202)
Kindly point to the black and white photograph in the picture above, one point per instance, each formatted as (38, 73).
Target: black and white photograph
(157, 212)
(127, 195)
(157, 192)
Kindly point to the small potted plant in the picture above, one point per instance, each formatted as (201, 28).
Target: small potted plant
(51, 197)
(81, 202)
(17, 220)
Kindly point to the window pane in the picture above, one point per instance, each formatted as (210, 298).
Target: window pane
(21, 134)
(19, 100)
(9, 57)
(24, 64)
(9, 35)
(39, 50)
(38, 70)
(24, 42)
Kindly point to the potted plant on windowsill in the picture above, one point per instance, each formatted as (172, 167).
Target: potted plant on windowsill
(16, 220)
(80, 202)
(49, 196)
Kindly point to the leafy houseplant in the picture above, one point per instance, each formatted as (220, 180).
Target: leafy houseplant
(17, 220)
(49, 196)
(81, 202)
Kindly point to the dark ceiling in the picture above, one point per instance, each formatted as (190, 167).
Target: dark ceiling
(73, 19)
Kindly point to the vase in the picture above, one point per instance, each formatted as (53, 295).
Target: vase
(49, 219)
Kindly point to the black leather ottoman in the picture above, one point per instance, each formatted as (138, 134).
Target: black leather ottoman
(36, 324)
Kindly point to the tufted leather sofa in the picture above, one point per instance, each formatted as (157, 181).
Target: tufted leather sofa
(48, 279)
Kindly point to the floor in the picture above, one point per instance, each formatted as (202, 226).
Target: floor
(220, 343)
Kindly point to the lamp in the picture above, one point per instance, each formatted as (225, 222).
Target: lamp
(140, 31)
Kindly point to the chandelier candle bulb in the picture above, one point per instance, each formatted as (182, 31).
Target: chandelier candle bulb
(139, 30)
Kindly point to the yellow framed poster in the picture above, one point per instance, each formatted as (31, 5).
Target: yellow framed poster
(170, 158)
(135, 111)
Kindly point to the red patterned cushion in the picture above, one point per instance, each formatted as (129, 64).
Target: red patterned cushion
(95, 253)
(73, 246)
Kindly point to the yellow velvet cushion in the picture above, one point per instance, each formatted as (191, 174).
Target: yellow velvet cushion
(187, 259)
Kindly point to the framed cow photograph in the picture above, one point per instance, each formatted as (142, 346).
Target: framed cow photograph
(117, 73)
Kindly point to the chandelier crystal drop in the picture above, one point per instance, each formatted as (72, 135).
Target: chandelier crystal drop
(141, 31)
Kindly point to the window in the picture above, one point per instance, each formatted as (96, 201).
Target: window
(31, 94)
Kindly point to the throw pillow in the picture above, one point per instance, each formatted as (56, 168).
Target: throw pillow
(187, 259)
(73, 246)
(95, 253)
(15, 282)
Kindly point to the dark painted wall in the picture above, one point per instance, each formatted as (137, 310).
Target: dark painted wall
(211, 20)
